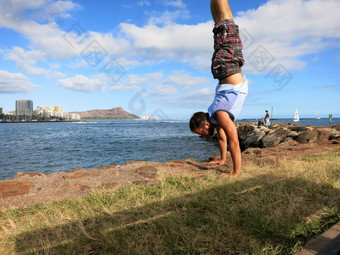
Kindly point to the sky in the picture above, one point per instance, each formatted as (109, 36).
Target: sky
(153, 57)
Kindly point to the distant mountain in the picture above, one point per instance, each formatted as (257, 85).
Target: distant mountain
(114, 113)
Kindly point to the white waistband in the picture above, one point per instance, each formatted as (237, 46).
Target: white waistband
(242, 87)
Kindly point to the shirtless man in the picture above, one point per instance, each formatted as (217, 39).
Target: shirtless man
(231, 89)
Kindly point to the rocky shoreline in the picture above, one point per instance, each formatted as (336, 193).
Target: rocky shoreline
(251, 135)
(259, 145)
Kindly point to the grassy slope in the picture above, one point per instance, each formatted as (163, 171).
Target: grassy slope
(269, 209)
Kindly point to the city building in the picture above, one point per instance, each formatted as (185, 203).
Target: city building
(1, 111)
(72, 116)
(55, 112)
(51, 108)
(24, 107)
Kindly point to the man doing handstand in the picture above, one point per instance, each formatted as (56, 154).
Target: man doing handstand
(231, 89)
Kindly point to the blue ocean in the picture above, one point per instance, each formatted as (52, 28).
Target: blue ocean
(61, 146)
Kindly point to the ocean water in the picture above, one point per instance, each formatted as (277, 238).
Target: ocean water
(61, 146)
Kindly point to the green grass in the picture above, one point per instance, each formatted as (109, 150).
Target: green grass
(269, 209)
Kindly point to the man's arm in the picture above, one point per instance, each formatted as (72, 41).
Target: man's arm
(222, 143)
(225, 122)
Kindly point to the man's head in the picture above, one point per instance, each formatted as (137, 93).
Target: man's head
(200, 124)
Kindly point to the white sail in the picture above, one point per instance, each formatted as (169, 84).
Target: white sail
(296, 116)
(317, 116)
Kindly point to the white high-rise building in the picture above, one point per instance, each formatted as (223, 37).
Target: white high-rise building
(24, 107)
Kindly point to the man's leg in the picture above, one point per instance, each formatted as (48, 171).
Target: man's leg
(220, 10)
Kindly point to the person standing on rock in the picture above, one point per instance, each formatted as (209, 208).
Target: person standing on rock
(231, 89)
(266, 119)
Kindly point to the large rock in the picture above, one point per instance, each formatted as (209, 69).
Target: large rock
(334, 134)
(298, 128)
(307, 136)
(254, 140)
(244, 131)
(323, 133)
(292, 134)
(274, 137)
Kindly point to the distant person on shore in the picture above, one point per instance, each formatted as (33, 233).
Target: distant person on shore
(230, 91)
(266, 119)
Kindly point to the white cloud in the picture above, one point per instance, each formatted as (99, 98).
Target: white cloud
(55, 75)
(183, 79)
(179, 42)
(177, 89)
(14, 83)
(80, 63)
(176, 3)
(168, 17)
(19, 5)
(143, 3)
(161, 90)
(125, 63)
(146, 79)
(198, 98)
(47, 38)
(138, 83)
(290, 29)
(26, 60)
(85, 84)
(287, 29)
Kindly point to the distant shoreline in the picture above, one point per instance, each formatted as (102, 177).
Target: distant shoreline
(38, 121)
(53, 121)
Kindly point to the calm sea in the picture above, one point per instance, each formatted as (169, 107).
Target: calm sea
(62, 146)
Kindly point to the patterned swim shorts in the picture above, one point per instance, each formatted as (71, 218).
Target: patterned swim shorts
(227, 58)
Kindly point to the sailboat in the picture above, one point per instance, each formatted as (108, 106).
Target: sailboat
(296, 116)
(317, 116)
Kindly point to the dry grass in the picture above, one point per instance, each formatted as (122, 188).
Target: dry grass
(269, 209)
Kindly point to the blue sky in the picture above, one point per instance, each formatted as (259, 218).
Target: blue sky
(152, 57)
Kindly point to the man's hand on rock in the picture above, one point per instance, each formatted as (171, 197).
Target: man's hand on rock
(217, 162)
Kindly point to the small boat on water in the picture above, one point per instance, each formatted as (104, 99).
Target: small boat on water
(317, 116)
(296, 116)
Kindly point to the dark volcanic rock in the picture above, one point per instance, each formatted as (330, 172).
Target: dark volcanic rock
(250, 135)
(307, 136)
(253, 140)
(297, 128)
(274, 138)
(323, 134)
(244, 131)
